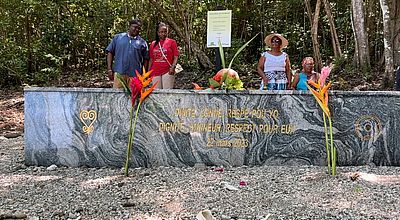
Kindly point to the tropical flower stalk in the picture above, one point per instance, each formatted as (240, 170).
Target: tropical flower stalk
(320, 93)
(226, 78)
(137, 91)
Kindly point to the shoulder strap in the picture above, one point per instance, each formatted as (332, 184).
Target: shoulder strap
(161, 49)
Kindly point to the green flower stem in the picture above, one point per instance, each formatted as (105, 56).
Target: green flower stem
(328, 154)
(131, 136)
(333, 149)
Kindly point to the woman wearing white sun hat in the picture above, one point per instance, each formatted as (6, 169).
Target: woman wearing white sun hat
(274, 65)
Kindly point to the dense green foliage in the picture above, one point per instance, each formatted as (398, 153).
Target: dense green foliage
(40, 39)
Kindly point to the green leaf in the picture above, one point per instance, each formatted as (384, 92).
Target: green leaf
(221, 53)
(240, 50)
(223, 78)
(123, 83)
(228, 80)
(214, 83)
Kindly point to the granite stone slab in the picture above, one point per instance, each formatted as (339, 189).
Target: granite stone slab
(89, 127)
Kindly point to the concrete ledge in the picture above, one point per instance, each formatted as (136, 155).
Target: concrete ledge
(89, 126)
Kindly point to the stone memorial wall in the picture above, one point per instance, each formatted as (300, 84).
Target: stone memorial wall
(89, 127)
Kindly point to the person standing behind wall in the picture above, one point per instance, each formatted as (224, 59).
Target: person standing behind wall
(307, 73)
(164, 55)
(274, 65)
(128, 52)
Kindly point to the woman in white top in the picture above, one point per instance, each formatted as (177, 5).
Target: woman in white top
(274, 65)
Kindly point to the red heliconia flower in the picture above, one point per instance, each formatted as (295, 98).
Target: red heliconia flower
(136, 86)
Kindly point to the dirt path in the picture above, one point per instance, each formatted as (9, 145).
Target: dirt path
(11, 113)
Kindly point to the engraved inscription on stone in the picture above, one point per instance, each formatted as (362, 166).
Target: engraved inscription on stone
(210, 120)
(89, 127)
(88, 117)
(368, 127)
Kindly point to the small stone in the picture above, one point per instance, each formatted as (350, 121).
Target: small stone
(128, 204)
(214, 210)
(225, 217)
(19, 167)
(269, 217)
(200, 166)
(58, 213)
(19, 216)
(72, 216)
(52, 167)
(229, 187)
(205, 215)
(12, 135)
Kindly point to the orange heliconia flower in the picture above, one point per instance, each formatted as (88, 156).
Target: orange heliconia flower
(145, 79)
(320, 94)
(196, 86)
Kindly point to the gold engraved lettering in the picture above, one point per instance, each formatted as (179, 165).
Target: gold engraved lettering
(211, 142)
(268, 128)
(258, 113)
(273, 113)
(211, 113)
(253, 113)
(287, 129)
(205, 127)
(171, 126)
(238, 113)
(231, 113)
(240, 142)
(88, 118)
(238, 128)
(236, 143)
(185, 112)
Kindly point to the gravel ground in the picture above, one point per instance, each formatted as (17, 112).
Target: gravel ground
(181, 193)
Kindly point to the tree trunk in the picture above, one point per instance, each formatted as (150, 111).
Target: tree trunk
(388, 44)
(335, 40)
(395, 18)
(29, 41)
(186, 25)
(203, 59)
(361, 54)
(314, 31)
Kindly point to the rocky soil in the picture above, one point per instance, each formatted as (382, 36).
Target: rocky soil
(11, 113)
(181, 193)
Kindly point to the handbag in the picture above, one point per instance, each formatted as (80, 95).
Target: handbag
(178, 67)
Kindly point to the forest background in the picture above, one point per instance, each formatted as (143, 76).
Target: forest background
(62, 42)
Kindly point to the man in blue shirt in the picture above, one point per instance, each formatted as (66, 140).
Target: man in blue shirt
(129, 52)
